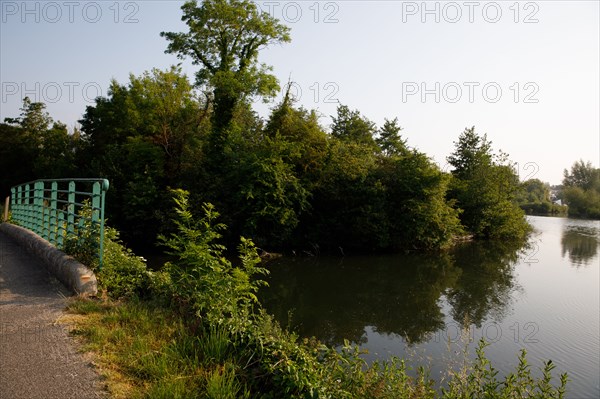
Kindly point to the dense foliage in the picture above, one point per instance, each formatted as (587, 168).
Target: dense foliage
(536, 198)
(484, 187)
(581, 190)
(286, 181)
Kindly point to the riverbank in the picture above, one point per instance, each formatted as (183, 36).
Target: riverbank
(145, 350)
(196, 329)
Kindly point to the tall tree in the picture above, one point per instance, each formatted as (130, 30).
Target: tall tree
(389, 140)
(34, 118)
(582, 175)
(351, 126)
(46, 144)
(140, 138)
(484, 187)
(581, 190)
(224, 39)
(472, 153)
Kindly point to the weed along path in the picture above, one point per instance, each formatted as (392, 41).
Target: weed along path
(38, 358)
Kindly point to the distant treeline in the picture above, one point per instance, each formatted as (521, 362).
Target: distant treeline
(578, 196)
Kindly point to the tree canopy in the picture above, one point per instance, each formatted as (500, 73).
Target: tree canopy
(484, 187)
(284, 180)
(224, 39)
(581, 191)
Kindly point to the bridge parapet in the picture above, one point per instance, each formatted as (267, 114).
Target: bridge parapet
(51, 208)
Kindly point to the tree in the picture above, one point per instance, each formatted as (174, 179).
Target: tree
(484, 187)
(389, 140)
(472, 153)
(416, 203)
(582, 175)
(17, 158)
(34, 118)
(140, 137)
(224, 39)
(308, 140)
(535, 198)
(170, 114)
(351, 126)
(45, 144)
(581, 190)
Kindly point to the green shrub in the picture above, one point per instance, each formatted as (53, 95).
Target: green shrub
(202, 279)
(123, 274)
(479, 380)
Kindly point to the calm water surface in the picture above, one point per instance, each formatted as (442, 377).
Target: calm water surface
(543, 297)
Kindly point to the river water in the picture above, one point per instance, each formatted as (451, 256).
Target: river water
(430, 309)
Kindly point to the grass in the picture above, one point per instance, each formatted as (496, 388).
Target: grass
(147, 351)
(140, 349)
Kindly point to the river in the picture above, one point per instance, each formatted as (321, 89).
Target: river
(543, 297)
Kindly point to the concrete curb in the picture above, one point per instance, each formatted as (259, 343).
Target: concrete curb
(74, 275)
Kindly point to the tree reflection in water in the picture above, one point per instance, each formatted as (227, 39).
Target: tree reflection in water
(580, 243)
(333, 299)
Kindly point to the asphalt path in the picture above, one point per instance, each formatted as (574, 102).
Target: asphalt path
(38, 357)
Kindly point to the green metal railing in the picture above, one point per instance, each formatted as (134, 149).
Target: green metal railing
(52, 209)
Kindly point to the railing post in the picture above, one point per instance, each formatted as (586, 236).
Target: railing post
(28, 212)
(104, 188)
(38, 201)
(17, 206)
(60, 230)
(96, 201)
(46, 213)
(6, 207)
(53, 220)
(71, 209)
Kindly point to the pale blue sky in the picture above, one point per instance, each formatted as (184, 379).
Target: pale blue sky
(377, 57)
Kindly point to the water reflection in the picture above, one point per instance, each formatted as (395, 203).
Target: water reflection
(333, 299)
(580, 243)
(484, 290)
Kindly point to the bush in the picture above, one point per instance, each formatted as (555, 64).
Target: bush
(123, 274)
(202, 279)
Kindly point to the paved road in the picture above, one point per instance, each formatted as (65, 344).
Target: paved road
(38, 358)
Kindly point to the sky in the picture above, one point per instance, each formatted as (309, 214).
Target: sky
(526, 73)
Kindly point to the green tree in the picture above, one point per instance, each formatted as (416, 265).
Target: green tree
(581, 190)
(484, 188)
(582, 175)
(270, 196)
(171, 114)
(224, 40)
(46, 146)
(535, 198)
(17, 158)
(351, 126)
(144, 137)
(420, 215)
(389, 140)
(535, 190)
(34, 119)
(348, 202)
(471, 155)
(308, 140)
